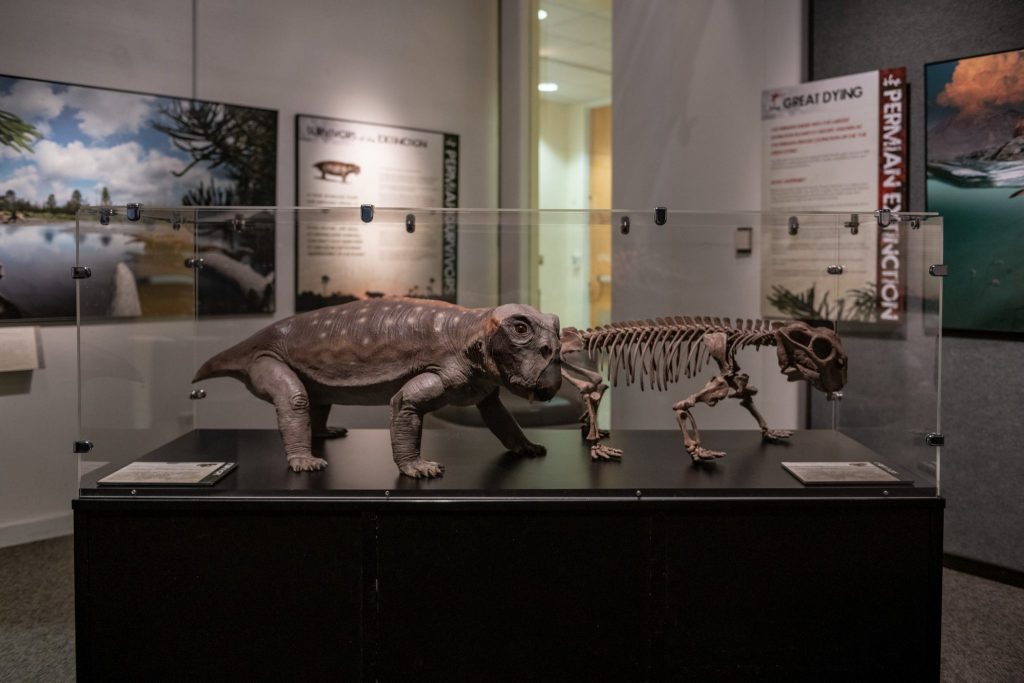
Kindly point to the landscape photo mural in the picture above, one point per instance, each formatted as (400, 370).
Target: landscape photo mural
(975, 155)
(64, 147)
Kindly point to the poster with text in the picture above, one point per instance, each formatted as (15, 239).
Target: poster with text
(975, 151)
(835, 145)
(64, 147)
(348, 163)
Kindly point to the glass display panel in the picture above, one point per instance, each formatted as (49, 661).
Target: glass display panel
(136, 302)
(744, 272)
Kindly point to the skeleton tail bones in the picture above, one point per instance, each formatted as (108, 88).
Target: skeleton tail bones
(660, 351)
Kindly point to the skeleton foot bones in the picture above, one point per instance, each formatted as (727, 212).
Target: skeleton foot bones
(660, 351)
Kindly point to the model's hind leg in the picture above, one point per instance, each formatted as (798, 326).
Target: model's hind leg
(273, 381)
(318, 420)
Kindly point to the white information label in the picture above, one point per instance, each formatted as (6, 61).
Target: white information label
(181, 473)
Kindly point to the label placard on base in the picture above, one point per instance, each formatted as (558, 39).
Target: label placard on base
(844, 473)
(169, 474)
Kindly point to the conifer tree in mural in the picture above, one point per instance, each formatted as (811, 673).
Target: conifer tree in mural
(66, 147)
(242, 141)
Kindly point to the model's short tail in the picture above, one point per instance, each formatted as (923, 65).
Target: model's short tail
(224, 364)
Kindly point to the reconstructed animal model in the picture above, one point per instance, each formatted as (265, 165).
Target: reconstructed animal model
(415, 355)
(338, 168)
(658, 352)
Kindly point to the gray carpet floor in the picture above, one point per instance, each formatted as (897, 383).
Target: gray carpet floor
(982, 621)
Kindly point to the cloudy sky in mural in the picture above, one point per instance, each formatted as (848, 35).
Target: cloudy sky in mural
(90, 139)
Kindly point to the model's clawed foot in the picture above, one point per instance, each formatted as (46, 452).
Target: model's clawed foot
(421, 469)
(601, 452)
(306, 463)
(774, 435)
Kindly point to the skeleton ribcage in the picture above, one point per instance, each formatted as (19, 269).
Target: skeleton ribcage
(660, 351)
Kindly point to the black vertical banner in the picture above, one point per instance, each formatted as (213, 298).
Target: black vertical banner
(450, 223)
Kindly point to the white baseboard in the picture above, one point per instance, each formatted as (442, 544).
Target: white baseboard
(36, 529)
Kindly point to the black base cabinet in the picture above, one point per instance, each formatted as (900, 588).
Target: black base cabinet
(483, 586)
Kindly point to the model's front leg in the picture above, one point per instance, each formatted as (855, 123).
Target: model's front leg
(504, 426)
(419, 396)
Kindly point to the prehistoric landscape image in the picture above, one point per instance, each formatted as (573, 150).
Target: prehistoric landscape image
(975, 152)
(65, 147)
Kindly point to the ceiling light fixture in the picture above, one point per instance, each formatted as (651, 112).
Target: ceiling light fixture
(542, 14)
(547, 87)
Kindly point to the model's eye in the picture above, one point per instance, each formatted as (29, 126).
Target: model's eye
(521, 328)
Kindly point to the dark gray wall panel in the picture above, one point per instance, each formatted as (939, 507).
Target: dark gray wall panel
(982, 398)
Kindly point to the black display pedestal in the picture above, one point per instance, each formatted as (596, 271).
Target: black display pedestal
(550, 568)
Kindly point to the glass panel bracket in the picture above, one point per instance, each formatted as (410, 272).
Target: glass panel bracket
(936, 439)
(82, 447)
(853, 224)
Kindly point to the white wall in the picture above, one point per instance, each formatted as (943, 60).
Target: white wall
(427, 65)
(686, 80)
(562, 174)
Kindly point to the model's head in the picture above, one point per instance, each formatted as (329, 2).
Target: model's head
(524, 345)
(812, 354)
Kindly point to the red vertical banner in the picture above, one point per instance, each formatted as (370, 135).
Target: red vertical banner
(892, 192)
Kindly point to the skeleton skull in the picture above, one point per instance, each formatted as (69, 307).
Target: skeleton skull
(812, 354)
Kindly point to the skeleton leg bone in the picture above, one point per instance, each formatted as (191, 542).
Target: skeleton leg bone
(713, 392)
(744, 391)
(578, 371)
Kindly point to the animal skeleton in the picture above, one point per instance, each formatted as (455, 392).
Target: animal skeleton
(658, 352)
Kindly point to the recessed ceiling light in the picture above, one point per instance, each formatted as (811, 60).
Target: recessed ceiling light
(547, 87)
(542, 14)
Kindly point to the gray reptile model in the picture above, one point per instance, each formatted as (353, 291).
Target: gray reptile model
(661, 350)
(416, 355)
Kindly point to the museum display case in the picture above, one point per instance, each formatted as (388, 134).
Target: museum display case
(684, 541)
(177, 285)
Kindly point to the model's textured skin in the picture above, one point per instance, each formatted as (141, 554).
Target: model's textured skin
(415, 355)
(659, 351)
